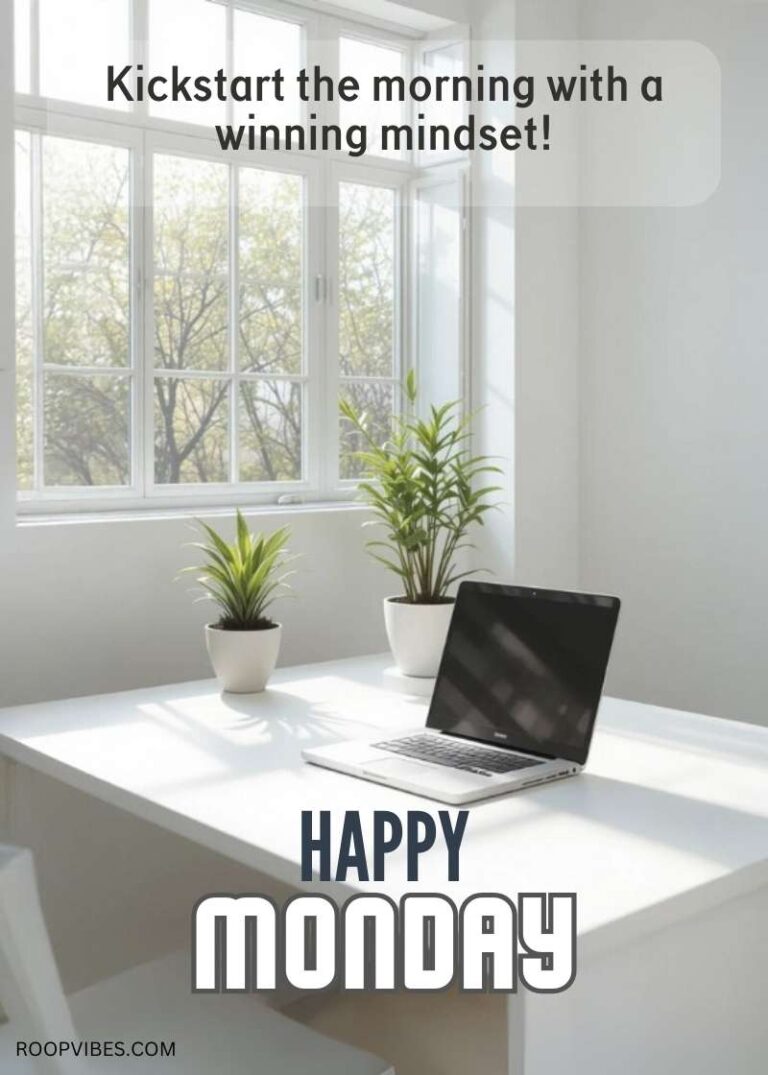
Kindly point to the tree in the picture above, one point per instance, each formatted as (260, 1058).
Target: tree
(24, 341)
(366, 312)
(86, 316)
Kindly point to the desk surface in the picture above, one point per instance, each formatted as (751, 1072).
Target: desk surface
(671, 814)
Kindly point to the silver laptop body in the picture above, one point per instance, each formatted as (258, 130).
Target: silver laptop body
(514, 703)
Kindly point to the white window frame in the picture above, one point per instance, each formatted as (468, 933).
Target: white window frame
(310, 170)
(144, 135)
(458, 174)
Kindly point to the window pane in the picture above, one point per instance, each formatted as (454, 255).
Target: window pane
(271, 263)
(446, 61)
(191, 430)
(376, 402)
(78, 38)
(270, 431)
(191, 263)
(363, 60)
(24, 371)
(438, 290)
(192, 35)
(21, 38)
(87, 422)
(366, 280)
(86, 260)
(261, 45)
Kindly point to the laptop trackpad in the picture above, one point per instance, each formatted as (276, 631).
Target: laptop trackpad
(422, 775)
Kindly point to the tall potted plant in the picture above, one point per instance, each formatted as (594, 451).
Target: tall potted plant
(427, 491)
(242, 578)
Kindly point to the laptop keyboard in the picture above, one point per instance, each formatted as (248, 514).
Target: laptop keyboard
(457, 755)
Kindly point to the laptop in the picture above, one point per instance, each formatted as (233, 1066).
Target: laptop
(514, 704)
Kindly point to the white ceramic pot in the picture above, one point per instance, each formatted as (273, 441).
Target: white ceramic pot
(417, 634)
(243, 661)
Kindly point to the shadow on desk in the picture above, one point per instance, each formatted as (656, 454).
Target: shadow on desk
(700, 736)
(660, 817)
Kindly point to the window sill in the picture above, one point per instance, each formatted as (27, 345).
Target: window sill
(31, 520)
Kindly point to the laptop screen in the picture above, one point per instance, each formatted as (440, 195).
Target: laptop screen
(524, 668)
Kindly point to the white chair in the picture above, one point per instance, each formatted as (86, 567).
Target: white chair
(231, 1034)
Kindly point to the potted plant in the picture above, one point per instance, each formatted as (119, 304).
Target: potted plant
(242, 578)
(426, 491)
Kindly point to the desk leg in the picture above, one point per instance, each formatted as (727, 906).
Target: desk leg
(447, 1033)
(7, 799)
(688, 998)
(516, 1029)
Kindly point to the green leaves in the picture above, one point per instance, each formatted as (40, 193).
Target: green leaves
(426, 490)
(243, 578)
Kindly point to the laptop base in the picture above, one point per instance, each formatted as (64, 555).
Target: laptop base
(365, 760)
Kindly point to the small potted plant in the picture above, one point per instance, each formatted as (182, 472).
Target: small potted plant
(242, 578)
(425, 490)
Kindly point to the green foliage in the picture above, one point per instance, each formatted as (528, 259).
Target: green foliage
(366, 305)
(243, 577)
(86, 313)
(425, 489)
(366, 280)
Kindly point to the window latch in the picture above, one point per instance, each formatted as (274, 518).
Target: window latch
(321, 288)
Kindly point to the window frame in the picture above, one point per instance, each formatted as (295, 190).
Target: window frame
(309, 169)
(41, 498)
(144, 135)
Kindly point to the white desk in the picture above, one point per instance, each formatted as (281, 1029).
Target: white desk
(664, 838)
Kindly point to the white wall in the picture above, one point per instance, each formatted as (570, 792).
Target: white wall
(674, 448)
(624, 380)
(546, 339)
(95, 606)
(525, 336)
(493, 305)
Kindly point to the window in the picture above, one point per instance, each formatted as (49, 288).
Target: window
(85, 339)
(201, 47)
(367, 309)
(204, 380)
(358, 57)
(74, 37)
(187, 320)
(263, 43)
